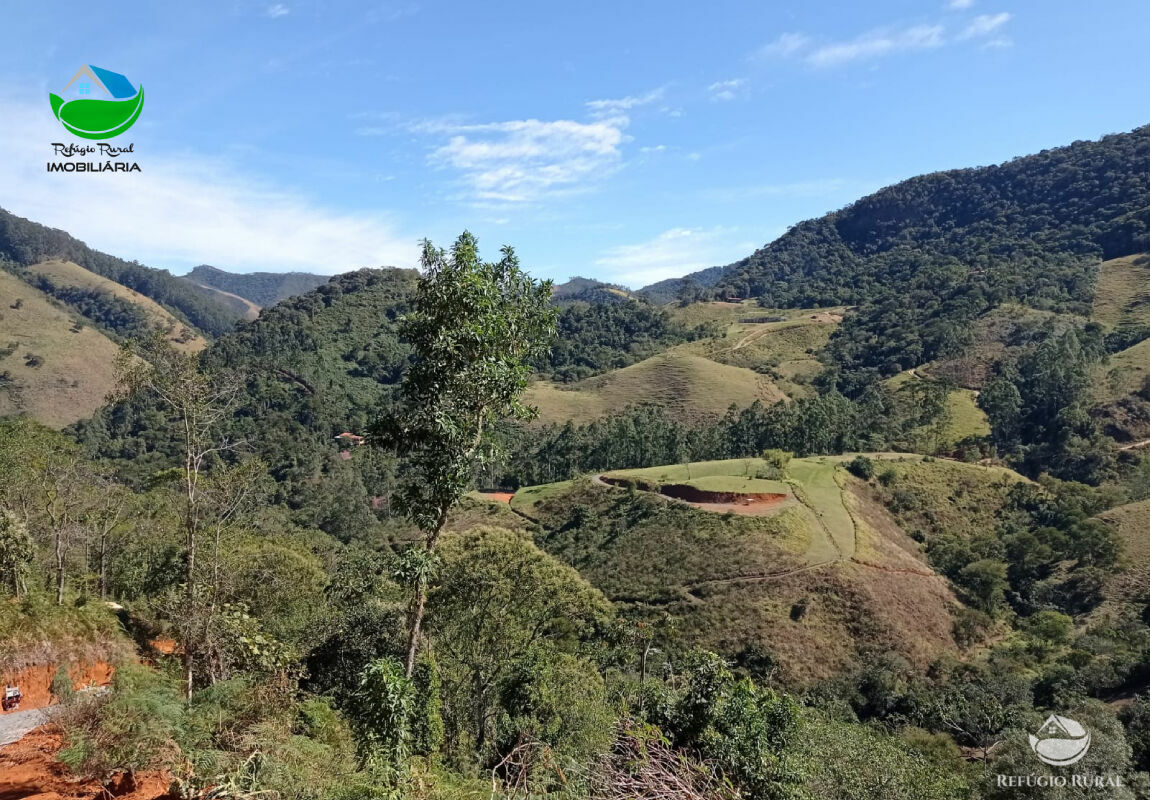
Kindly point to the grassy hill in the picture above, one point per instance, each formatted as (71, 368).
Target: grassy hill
(259, 288)
(55, 368)
(1132, 524)
(817, 584)
(689, 386)
(23, 243)
(1122, 296)
(246, 308)
(962, 419)
(65, 273)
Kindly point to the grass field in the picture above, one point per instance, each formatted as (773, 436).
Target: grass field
(1126, 371)
(75, 372)
(964, 417)
(1132, 524)
(688, 386)
(65, 273)
(786, 582)
(1122, 296)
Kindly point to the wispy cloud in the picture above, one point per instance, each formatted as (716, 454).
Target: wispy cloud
(277, 10)
(984, 25)
(671, 254)
(621, 106)
(183, 211)
(726, 90)
(877, 43)
(959, 5)
(886, 41)
(787, 45)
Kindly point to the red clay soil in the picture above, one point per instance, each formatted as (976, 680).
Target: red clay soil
(748, 503)
(692, 494)
(35, 683)
(502, 497)
(29, 771)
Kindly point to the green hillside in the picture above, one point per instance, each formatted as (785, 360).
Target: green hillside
(53, 366)
(1122, 296)
(64, 274)
(261, 288)
(688, 386)
(24, 243)
(815, 584)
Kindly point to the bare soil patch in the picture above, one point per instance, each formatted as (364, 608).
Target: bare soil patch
(29, 771)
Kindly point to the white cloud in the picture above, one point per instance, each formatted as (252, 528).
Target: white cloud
(524, 160)
(671, 254)
(877, 43)
(726, 90)
(608, 109)
(278, 10)
(182, 211)
(959, 5)
(787, 45)
(984, 25)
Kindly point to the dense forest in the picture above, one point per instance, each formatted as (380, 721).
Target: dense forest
(24, 243)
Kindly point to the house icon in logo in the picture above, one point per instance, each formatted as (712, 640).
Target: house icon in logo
(94, 83)
(97, 103)
(1060, 741)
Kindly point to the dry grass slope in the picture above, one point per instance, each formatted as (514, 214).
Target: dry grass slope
(1123, 293)
(241, 304)
(75, 370)
(1132, 523)
(65, 273)
(690, 387)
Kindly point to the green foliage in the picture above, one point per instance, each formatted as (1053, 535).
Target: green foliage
(856, 761)
(132, 728)
(746, 731)
(596, 337)
(16, 553)
(383, 706)
(861, 467)
(502, 617)
(474, 329)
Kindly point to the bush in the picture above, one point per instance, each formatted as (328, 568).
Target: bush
(861, 467)
(135, 727)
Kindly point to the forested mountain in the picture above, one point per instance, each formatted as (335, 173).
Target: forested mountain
(312, 367)
(262, 288)
(1088, 201)
(589, 290)
(686, 287)
(24, 243)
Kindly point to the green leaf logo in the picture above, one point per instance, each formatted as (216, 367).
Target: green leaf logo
(97, 103)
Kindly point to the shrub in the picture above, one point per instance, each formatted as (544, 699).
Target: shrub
(861, 467)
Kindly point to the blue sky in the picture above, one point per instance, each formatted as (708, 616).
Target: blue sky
(628, 141)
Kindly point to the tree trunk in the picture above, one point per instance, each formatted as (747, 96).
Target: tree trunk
(59, 569)
(421, 599)
(104, 567)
